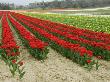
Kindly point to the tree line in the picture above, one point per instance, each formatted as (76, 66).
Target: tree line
(5, 6)
(72, 4)
(60, 4)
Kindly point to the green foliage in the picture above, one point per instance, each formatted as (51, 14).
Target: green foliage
(12, 62)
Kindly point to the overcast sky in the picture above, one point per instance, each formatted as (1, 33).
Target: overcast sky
(21, 2)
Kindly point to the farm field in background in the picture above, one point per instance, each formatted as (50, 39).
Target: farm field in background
(100, 24)
(53, 47)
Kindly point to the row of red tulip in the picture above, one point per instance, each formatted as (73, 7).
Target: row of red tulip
(81, 32)
(1, 13)
(93, 36)
(31, 40)
(70, 36)
(63, 43)
(8, 41)
(10, 50)
(96, 36)
(103, 47)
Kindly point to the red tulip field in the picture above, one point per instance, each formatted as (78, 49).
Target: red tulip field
(47, 51)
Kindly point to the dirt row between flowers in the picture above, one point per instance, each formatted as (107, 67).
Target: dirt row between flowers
(55, 68)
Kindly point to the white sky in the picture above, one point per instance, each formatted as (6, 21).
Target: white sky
(21, 2)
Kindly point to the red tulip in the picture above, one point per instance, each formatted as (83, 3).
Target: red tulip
(99, 57)
(13, 61)
(20, 63)
(88, 61)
